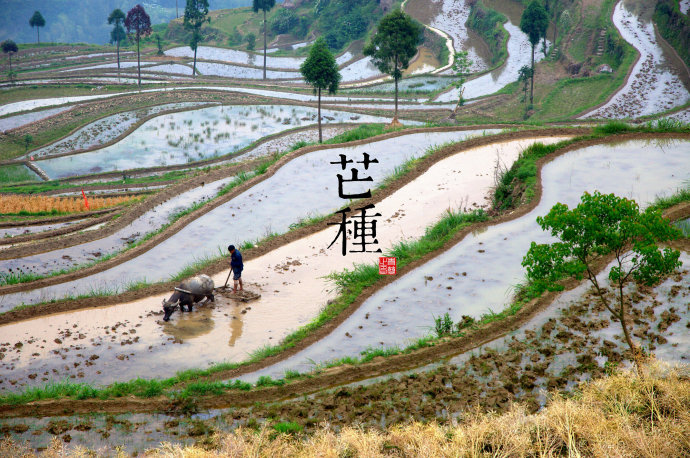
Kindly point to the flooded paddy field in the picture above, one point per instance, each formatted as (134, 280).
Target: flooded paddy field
(450, 16)
(479, 273)
(105, 130)
(253, 214)
(283, 276)
(70, 257)
(544, 355)
(189, 136)
(519, 54)
(12, 122)
(656, 83)
(237, 56)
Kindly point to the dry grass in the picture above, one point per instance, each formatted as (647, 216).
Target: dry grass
(38, 204)
(623, 415)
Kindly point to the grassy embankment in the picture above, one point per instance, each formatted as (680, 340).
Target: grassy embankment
(559, 97)
(674, 26)
(522, 176)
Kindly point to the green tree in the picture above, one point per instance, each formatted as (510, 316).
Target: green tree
(524, 77)
(534, 23)
(195, 15)
(600, 225)
(393, 45)
(9, 47)
(138, 24)
(117, 35)
(320, 70)
(37, 21)
(251, 41)
(28, 139)
(461, 67)
(265, 6)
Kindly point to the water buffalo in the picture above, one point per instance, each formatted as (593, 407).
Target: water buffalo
(188, 293)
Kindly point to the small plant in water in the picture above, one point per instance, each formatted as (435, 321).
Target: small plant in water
(444, 325)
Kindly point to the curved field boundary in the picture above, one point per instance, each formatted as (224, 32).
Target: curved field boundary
(55, 219)
(69, 305)
(134, 127)
(627, 75)
(119, 223)
(18, 252)
(55, 232)
(345, 374)
(78, 239)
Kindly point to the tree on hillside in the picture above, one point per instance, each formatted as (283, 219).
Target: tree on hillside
(461, 67)
(195, 15)
(393, 45)
(138, 24)
(320, 70)
(524, 76)
(117, 35)
(534, 23)
(9, 47)
(264, 5)
(37, 21)
(601, 225)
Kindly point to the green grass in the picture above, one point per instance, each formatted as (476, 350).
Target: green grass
(522, 175)
(17, 174)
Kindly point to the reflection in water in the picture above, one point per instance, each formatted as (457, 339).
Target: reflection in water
(236, 324)
(188, 325)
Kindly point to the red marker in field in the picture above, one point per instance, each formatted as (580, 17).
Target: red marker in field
(86, 201)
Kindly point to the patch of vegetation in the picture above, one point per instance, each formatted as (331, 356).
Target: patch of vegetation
(489, 24)
(674, 26)
(516, 184)
(16, 174)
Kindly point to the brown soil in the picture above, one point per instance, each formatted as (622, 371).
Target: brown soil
(345, 374)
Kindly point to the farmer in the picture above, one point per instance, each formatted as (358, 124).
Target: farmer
(237, 265)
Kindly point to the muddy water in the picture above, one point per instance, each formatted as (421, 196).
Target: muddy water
(519, 54)
(152, 220)
(655, 84)
(425, 62)
(270, 206)
(189, 136)
(287, 276)
(479, 273)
